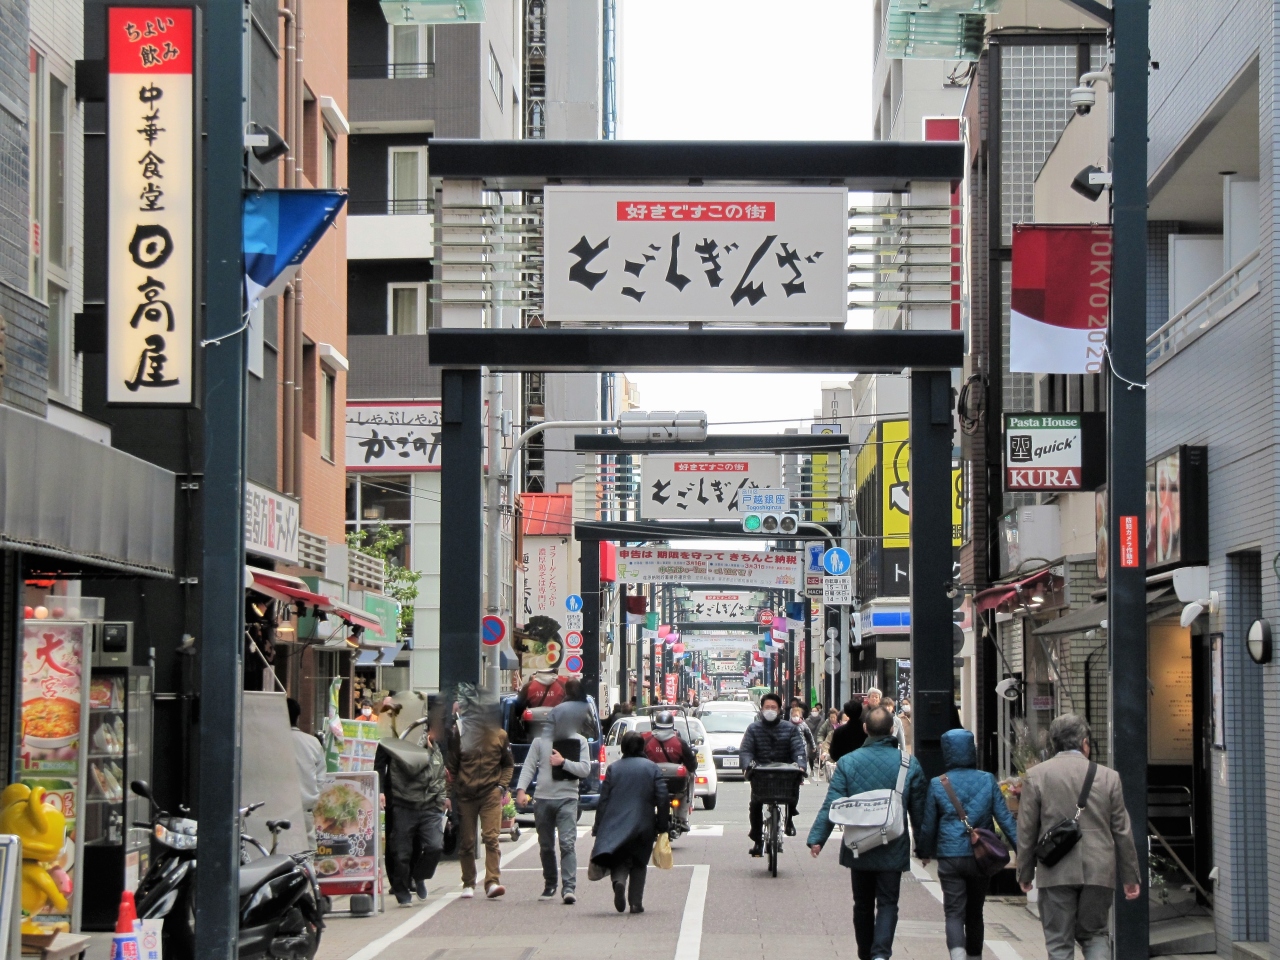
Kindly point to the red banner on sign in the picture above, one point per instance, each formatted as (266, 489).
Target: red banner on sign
(148, 40)
(1129, 542)
(672, 685)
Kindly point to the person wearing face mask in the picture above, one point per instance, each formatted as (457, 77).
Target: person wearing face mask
(770, 740)
(366, 710)
(810, 744)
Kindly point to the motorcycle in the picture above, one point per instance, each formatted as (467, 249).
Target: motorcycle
(680, 790)
(280, 905)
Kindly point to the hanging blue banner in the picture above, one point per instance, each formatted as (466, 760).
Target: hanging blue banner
(280, 228)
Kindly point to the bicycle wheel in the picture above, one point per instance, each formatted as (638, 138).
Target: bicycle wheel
(775, 839)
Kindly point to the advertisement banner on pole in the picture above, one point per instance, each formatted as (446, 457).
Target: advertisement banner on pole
(543, 584)
(1043, 452)
(1060, 300)
(749, 254)
(693, 487)
(722, 643)
(151, 202)
(717, 606)
(743, 567)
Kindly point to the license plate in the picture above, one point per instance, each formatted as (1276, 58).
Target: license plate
(729, 762)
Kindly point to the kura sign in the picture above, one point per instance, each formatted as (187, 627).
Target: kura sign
(1044, 452)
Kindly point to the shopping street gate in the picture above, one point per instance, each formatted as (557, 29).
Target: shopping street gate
(469, 168)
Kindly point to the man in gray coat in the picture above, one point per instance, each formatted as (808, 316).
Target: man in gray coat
(1076, 892)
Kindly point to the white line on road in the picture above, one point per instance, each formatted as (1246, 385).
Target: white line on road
(372, 950)
(920, 873)
(689, 946)
(520, 847)
(1003, 950)
(707, 830)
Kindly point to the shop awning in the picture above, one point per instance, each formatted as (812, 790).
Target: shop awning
(280, 586)
(355, 616)
(993, 597)
(1091, 617)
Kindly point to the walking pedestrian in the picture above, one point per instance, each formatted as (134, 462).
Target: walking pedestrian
(899, 733)
(309, 754)
(413, 781)
(633, 810)
(829, 723)
(814, 720)
(810, 744)
(876, 875)
(943, 835)
(770, 740)
(480, 762)
(851, 734)
(1076, 892)
(555, 808)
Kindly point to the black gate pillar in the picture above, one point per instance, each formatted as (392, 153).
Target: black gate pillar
(461, 527)
(931, 627)
(590, 562)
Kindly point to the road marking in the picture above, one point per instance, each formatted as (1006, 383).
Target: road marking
(372, 950)
(520, 847)
(1003, 950)
(689, 946)
(707, 830)
(920, 873)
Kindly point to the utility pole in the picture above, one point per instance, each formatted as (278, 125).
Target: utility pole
(847, 535)
(226, 27)
(1127, 444)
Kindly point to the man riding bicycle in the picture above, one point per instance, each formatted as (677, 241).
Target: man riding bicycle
(771, 739)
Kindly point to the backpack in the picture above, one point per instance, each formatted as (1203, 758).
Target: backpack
(657, 751)
(541, 694)
(873, 818)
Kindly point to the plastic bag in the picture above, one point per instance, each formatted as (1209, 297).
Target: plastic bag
(662, 858)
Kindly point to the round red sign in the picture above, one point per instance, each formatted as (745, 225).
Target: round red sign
(765, 617)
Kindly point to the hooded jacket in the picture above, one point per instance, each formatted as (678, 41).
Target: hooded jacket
(941, 833)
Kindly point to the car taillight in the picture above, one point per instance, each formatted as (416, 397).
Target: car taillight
(603, 761)
(675, 801)
(702, 780)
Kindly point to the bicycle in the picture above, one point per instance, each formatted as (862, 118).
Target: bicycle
(774, 784)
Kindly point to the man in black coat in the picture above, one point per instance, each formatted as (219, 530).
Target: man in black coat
(771, 739)
(850, 735)
(633, 810)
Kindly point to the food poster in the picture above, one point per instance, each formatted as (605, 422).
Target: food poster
(53, 731)
(347, 827)
(359, 745)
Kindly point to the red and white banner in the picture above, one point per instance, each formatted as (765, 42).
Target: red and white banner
(1061, 298)
(151, 202)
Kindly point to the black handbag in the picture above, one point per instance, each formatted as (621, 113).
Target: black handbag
(571, 749)
(1059, 840)
(989, 852)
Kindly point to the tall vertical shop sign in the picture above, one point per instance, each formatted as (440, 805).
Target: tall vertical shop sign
(747, 254)
(151, 205)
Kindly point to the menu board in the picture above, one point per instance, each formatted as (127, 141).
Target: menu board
(54, 729)
(359, 744)
(1171, 731)
(347, 827)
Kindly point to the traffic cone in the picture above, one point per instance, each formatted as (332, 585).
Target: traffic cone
(124, 943)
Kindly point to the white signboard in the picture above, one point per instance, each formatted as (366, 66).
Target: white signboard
(722, 644)
(573, 620)
(1043, 452)
(393, 437)
(150, 197)
(688, 486)
(764, 500)
(837, 591)
(746, 254)
(544, 582)
(717, 606)
(745, 567)
(271, 522)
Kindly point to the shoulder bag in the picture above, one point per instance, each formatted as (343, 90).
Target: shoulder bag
(989, 853)
(873, 818)
(1059, 840)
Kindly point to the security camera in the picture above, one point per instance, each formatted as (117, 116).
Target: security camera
(1083, 98)
(1196, 607)
(1010, 688)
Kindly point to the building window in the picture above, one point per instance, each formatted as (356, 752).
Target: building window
(375, 499)
(48, 172)
(406, 308)
(411, 51)
(59, 341)
(495, 76)
(328, 161)
(407, 179)
(328, 412)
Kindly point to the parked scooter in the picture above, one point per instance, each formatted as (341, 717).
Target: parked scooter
(280, 912)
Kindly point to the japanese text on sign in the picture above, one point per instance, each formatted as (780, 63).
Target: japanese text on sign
(750, 501)
(704, 488)
(271, 522)
(393, 437)
(708, 607)
(739, 567)
(150, 233)
(696, 254)
(544, 582)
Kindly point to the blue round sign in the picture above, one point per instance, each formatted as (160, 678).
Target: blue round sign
(836, 561)
(492, 630)
(573, 603)
(573, 663)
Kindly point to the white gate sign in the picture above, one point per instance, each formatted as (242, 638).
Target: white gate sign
(717, 606)
(688, 486)
(689, 253)
(746, 567)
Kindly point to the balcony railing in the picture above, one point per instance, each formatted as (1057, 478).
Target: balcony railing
(390, 71)
(1201, 314)
(366, 570)
(381, 208)
(313, 552)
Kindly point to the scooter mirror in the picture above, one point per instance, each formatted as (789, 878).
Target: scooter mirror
(141, 788)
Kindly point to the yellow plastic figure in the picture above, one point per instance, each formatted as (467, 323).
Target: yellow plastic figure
(43, 829)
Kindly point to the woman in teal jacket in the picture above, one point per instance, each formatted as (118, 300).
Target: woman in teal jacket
(943, 836)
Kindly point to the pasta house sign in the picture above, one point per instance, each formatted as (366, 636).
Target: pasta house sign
(151, 201)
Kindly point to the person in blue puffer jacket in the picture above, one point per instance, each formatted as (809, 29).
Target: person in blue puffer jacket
(943, 836)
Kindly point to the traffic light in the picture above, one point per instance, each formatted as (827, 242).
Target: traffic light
(770, 523)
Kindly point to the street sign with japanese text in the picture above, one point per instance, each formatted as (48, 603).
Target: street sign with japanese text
(837, 591)
(739, 567)
(545, 580)
(573, 620)
(763, 500)
(271, 523)
(700, 487)
(717, 606)
(151, 203)
(393, 437)
(748, 254)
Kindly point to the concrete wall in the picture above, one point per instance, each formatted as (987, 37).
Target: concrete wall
(574, 69)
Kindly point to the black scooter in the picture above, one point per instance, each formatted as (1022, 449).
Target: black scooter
(280, 905)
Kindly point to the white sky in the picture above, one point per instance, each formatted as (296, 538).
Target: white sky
(743, 70)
